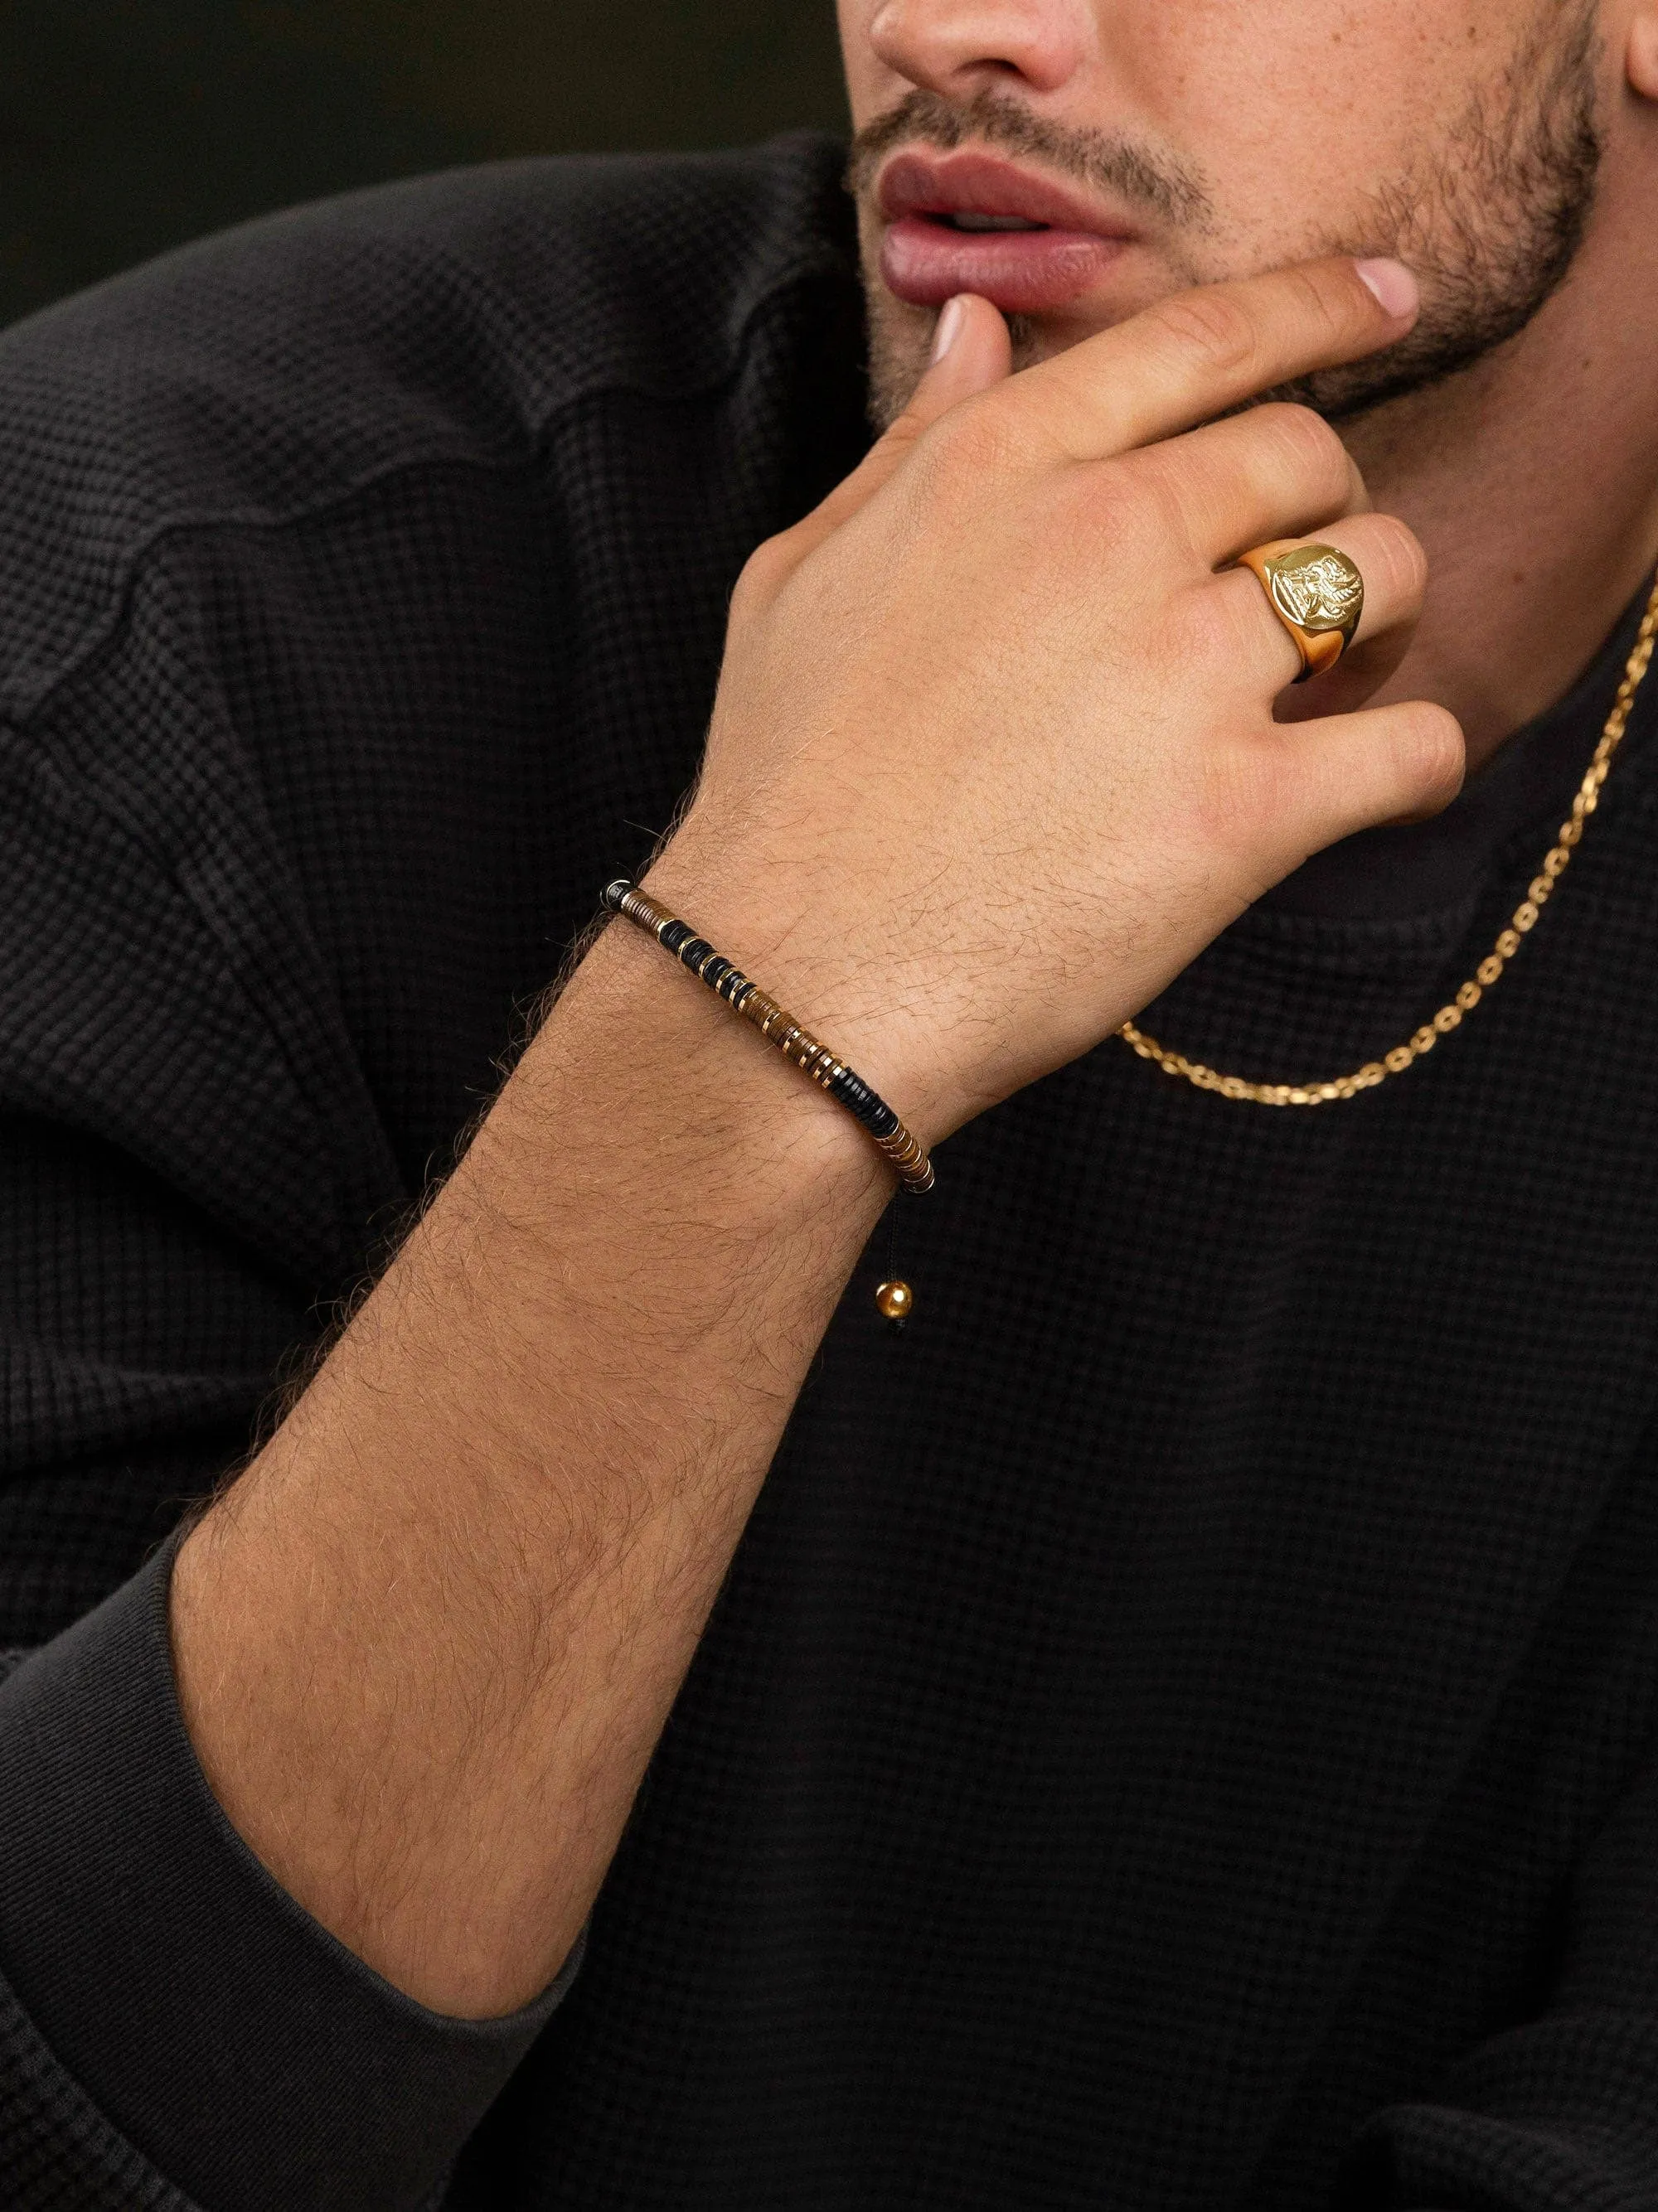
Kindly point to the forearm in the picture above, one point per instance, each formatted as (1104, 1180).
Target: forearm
(426, 1644)
(1001, 712)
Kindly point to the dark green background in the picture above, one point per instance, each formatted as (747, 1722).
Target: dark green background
(127, 125)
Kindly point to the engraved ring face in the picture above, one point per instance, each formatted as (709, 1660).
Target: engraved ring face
(1317, 588)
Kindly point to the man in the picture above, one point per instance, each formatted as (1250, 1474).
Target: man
(1171, 1727)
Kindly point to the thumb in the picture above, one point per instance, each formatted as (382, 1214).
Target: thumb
(971, 351)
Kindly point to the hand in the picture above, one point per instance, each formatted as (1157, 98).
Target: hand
(994, 754)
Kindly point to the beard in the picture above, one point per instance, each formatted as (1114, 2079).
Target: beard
(1490, 217)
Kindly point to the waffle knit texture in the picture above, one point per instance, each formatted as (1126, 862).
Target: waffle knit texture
(1179, 1729)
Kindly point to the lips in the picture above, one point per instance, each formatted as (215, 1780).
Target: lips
(969, 222)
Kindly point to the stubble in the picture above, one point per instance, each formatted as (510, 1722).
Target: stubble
(1489, 214)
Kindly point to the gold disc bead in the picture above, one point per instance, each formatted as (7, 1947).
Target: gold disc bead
(896, 1301)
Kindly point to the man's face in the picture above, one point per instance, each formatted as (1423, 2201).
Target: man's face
(1151, 144)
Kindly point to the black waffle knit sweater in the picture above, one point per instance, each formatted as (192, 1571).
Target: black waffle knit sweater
(1178, 1730)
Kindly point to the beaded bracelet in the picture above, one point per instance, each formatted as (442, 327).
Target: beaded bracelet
(902, 1149)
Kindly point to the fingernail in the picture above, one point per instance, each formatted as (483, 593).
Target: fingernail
(1393, 284)
(949, 324)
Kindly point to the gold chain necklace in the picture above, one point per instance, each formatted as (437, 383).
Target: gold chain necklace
(1489, 971)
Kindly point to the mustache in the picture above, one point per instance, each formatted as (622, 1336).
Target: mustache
(1104, 160)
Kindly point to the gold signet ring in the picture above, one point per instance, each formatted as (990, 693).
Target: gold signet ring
(1317, 594)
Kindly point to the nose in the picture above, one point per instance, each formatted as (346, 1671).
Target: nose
(956, 48)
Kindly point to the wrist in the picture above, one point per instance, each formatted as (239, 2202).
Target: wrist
(872, 1006)
(683, 1061)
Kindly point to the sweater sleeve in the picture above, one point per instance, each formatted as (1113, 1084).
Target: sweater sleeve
(179, 1172)
(1560, 2113)
(168, 2001)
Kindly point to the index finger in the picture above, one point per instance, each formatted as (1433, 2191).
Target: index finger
(1199, 352)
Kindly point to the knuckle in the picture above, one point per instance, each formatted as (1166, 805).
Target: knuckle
(1319, 296)
(1312, 449)
(1146, 503)
(1213, 327)
(1398, 559)
(1106, 527)
(1170, 498)
(1432, 755)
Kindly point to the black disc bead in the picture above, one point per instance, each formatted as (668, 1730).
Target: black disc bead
(865, 1105)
